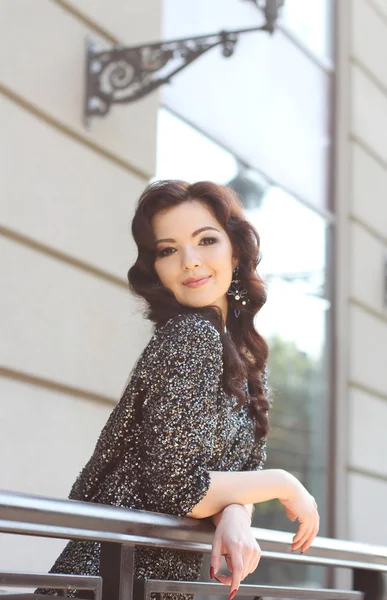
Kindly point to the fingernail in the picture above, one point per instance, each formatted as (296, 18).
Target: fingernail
(231, 596)
(212, 572)
(217, 579)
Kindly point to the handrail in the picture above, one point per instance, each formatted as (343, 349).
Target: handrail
(71, 519)
(121, 529)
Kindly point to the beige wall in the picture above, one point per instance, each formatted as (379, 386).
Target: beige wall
(70, 330)
(362, 248)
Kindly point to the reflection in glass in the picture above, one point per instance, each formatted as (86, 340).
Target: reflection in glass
(270, 104)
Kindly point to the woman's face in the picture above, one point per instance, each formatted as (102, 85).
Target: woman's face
(182, 251)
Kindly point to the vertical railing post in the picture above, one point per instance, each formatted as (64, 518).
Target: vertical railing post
(371, 583)
(139, 588)
(117, 571)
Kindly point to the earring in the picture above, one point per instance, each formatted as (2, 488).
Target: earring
(237, 291)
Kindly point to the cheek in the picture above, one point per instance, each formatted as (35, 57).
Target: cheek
(221, 259)
(166, 271)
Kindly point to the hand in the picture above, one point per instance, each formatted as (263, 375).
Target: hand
(233, 537)
(301, 505)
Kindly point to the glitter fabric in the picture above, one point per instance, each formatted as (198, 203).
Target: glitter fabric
(171, 427)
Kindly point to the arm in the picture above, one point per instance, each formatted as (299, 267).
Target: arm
(224, 488)
(180, 415)
(179, 424)
(255, 460)
(243, 487)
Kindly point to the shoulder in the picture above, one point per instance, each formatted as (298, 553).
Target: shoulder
(186, 350)
(184, 338)
(193, 327)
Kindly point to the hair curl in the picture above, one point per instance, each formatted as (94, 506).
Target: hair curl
(245, 351)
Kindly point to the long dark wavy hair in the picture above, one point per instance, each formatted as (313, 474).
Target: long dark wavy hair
(245, 351)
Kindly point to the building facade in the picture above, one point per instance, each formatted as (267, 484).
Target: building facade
(296, 123)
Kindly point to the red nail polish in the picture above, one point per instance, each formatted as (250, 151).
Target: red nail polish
(217, 579)
(231, 596)
(212, 572)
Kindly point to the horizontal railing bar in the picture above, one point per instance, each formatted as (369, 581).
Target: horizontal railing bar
(197, 587)
(70, 519)
(51, 580)
(27, 596)
(324, 561)
(98, 536)
(63, 533)
(60, 581)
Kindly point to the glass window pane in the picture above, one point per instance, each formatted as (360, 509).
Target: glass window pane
(268, 103)
(295, 321)
(311, 22)
(184, 153)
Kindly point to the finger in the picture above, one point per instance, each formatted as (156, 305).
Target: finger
(302, 529)
(303, 539)
(249, 562)
(216, 556)
(228, 561)
(302, 535)
(308, 542)
(256, 558)
(236, 567)
(246, 564)
(313, 535)
(225, 579)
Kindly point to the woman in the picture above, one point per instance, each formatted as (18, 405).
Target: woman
(188, 436)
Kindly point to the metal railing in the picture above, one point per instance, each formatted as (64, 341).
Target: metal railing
(120, 530)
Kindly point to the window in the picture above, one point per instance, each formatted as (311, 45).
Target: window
(295, 320)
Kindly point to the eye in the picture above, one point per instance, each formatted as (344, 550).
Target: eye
(213, 239)
(162, 252)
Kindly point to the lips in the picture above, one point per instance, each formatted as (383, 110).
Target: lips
(196, 280)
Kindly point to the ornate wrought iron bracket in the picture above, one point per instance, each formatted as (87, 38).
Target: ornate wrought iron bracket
(121, 75)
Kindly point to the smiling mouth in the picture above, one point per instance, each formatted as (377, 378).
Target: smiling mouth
(197, 283)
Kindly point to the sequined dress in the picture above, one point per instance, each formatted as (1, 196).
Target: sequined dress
(171, 427)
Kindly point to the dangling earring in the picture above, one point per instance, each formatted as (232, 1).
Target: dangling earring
(237, 291)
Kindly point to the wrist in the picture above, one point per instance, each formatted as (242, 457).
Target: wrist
(288, 485)
(241, 510)
(234, 511)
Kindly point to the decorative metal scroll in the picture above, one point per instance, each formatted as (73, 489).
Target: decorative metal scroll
(121, 75)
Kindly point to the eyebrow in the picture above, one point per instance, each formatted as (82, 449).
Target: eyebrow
(193, 235)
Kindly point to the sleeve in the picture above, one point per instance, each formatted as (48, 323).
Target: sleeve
(257, 457)
(179, 420)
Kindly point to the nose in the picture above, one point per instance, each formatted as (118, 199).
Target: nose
(190, 259)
